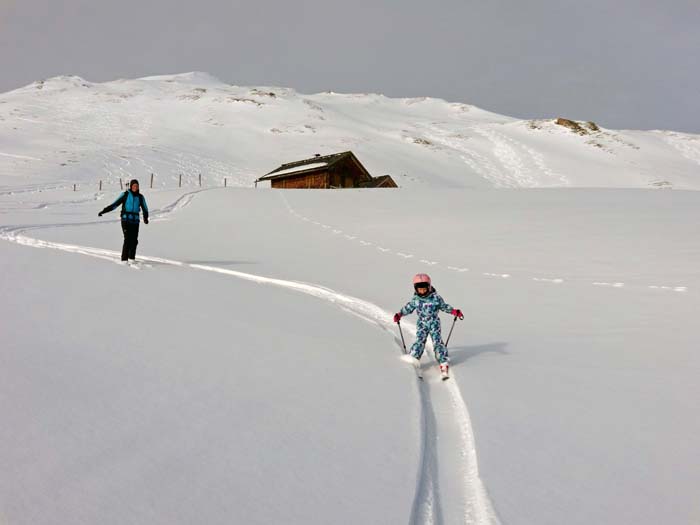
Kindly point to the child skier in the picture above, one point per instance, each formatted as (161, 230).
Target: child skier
(132, 203)
(428, 303)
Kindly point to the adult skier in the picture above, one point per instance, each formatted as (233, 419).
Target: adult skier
(132, 202)
(428, 304)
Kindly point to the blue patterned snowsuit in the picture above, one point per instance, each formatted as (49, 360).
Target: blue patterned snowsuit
(428, 308)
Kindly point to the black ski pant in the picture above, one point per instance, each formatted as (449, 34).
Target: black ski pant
(131, 239)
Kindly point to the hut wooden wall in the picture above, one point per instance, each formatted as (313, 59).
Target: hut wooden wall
(309, 181)
(346, 174)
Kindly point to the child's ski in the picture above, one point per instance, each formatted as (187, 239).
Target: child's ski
(415, 363)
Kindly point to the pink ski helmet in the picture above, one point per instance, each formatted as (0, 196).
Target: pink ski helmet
(421, 278)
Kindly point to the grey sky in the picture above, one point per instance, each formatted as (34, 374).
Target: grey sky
(622, 63)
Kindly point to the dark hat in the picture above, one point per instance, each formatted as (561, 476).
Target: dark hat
(133, 181)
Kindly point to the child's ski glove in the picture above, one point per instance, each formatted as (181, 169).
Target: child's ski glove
(458, 313)
(397, 317)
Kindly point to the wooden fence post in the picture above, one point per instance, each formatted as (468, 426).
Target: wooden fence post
(200, 180)
(179, 184)
(121, 186)
(225, 182)
(151, 180)
(74, 185)
(100, 185)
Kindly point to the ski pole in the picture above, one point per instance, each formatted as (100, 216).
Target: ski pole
(402, 339)
(454, 321)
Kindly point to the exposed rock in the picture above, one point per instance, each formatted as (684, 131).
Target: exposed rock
(243, 100)
(572, 125)
(259, 93)
(577, 127)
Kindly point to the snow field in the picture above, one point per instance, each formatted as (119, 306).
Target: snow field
(247, 366)
(178, 400)
(535, 327)
(470, 495)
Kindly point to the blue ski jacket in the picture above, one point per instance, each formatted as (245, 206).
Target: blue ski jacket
(132, 203)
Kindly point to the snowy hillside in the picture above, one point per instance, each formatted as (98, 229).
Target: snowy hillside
(247, 369)
(70, 130)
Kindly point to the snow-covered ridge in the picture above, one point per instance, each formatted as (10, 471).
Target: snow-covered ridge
(69, 129)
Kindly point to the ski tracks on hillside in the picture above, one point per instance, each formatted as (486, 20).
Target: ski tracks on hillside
(688, 146)
(461, 269)
(517, 164)
(525, 167)
(447, 445)
(479, 163)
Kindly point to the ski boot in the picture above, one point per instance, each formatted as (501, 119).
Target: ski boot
(444, 371)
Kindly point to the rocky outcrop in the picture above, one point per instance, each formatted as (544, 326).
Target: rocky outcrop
(584, 128)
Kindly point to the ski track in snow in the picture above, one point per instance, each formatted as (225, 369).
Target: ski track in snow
(427, 508)
(689, 147)
(460, 269)
(15, 156)
(517, 173)
(480, 164)
(524, 169)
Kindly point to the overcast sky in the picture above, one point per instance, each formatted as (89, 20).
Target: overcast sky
(621, 63)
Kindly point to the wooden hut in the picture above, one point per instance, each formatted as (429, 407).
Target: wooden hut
(384, 181)
(339, 170)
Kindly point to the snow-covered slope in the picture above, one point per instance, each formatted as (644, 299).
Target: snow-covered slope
(248, 370)
(70, 130)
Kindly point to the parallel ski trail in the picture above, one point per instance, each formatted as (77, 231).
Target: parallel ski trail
(469, 503)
